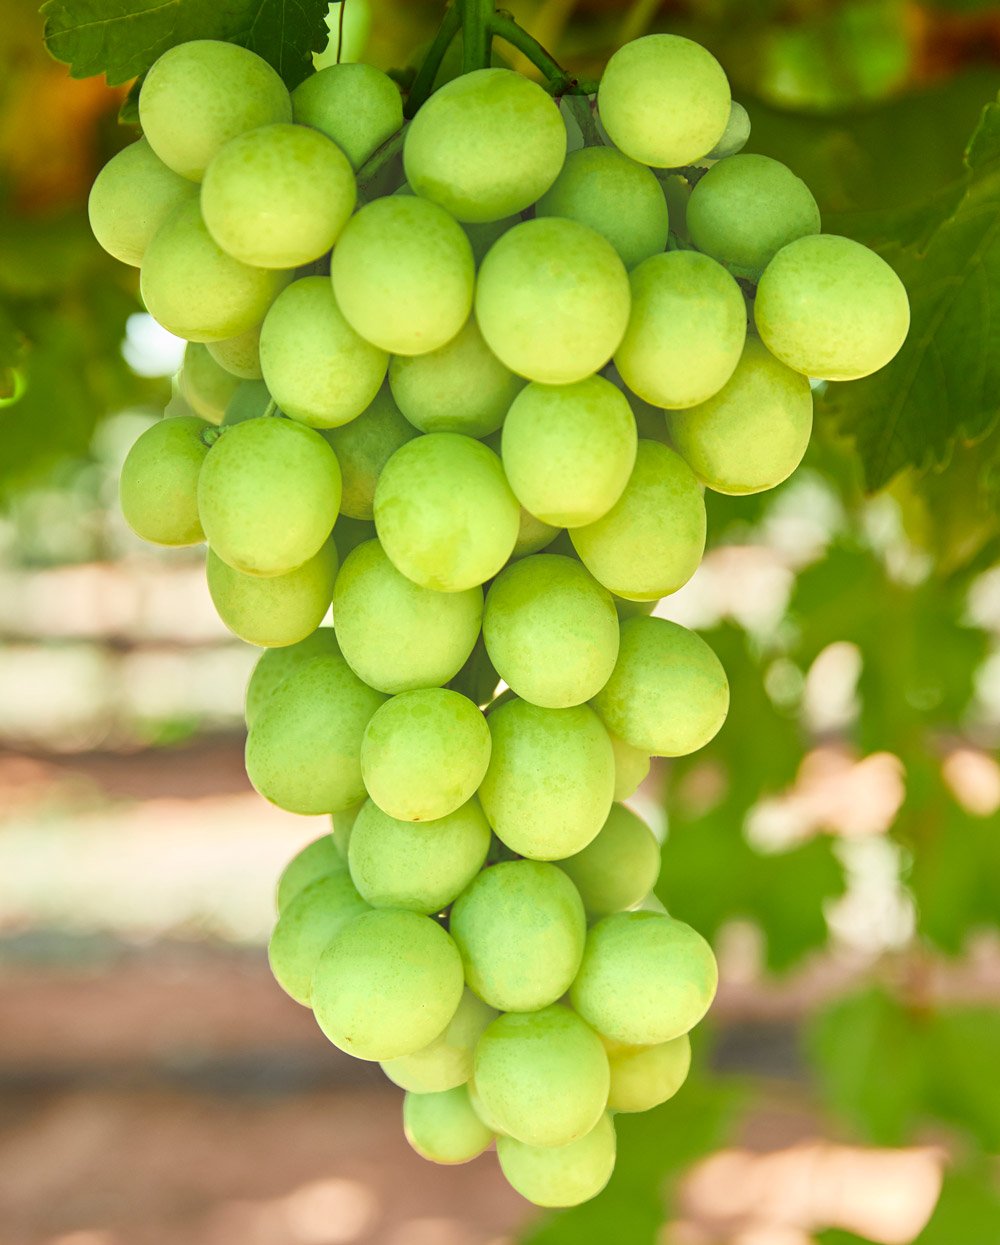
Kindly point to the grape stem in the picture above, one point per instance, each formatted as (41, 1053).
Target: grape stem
(370, 175)
(423, 83)
(558, 80)
(477, 34)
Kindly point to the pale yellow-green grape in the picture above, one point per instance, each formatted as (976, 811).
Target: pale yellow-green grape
(619, 868)
(250, 401)
(644, 1076)
(268, 495)
(239, 355)
(278, 610)
(651, 541)
(561, 1175)
(745, 209)
(388, 983)
(318, 859)
(130, 199)
(548, 788)
(358, 106)
(447, 1061)
(349, 533)
(668, 694)
(485, 145)
(396, 635)
(686, 330)
(752, 434)
(342, 826)
(831, 308)
(158, 488)
(278, 197)
(734, 136)
(398, 864)
(200, 94)
(622, 200)
(520, 928)
(480, 1108)
(205, 386)
(443, 1126)
(403, 274)
(303, 751)
(664, 100)
(461, 387)
(348, 29)
(424, 754)
(305, 927)
(275, 665)
(363, 447)
(631, 767)
(645, 978)
(551, 631)
(552, 300)
(568, 450)
(542, 1075)
(194, 289)
(319, 370)
(482, 236)
(532, 535)
(445, 513)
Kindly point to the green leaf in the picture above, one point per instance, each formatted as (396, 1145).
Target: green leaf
(967, 1212)
(961, 1070)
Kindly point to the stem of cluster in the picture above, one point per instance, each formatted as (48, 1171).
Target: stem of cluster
(477, 33)
(423, 83)
(557, 80)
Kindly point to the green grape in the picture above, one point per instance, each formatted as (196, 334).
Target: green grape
(745, 209)
(268, 495)
(239, 355)
(753, 433)
(425, 753)
(305, 928)
(358, 106)
(631, 767)
(275, 665)
(831, 308)
(194, 289)
(443, 1127)
(388, 983)
(159, 482)
(318, 859)
(444, 512)
(618, 198)
(303, 751)
(520, 928)
(316, 366)
(447, 1061)
(349, 533)
(483, 235)
(548, 788)
(543, 1075)
(551, 631)
(560, 1175)
(349, 27)
(568, 450)
(664, 100)
(396, 635)
(669, 694)
(651, 541)
(552, 300)
(130, 199)
(648, 418)
(397, 864)
(403, 274)
(645, 978)
(200, 94)
(734, 136)
(363, 447)
(619, 868)
(461, 387)
(644, 1076)
(276, 611)
(250, 401)
(486, 145)
(532, 535)
(205, 386)
(278, 196)
(480, 1108)
(686, 331)
(342, 827)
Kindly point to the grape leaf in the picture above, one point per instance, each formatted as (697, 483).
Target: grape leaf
(968, 1210)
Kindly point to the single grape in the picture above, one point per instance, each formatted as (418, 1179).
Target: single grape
(275, 665)
(560, 1175)
(619, 868)
(447, 1061)
(480, 1109)
(486, 145)
(130, 199)
(548, 788)
(200, 94)
(664, 100)
(303, 751)
(552, 300)
(631, 767)
(159, 482)
(668, 695)
(356, 105)
(363, 447)
(645, 978)
(306, 926)
(239, 355)
(388, 983)
(425, 753)
(403, 274)
(342, 827)
(206, 386)
(396, 635)
(443, 1127)
(532, 535)
(686, 331)
(278, 610)
(734, 136)
(831, 308)
(250, 401)
(318, 859)
(644, 1076)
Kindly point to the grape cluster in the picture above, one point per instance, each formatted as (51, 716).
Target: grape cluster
(517, 350)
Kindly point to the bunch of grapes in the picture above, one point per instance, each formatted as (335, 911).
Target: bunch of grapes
(396, 404)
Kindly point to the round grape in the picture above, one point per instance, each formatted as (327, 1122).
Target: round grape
(559, 1176)
(617, 869)
(278, 610)
(275, 665)
(443, 1127)
(159, 482)
(447, 1061)
(363, 447)
(357, 105)
(644, 1076)
(318, 859)
(205, 385)
(239, 355)
(631, 767)
(305, 928)
(130, 199)
(735, 136)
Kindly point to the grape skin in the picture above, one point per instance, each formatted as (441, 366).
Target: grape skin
(305, 926)
(631, 767)
(239, 355)
(447, 1061)
(318, 859)
(363, 447)
(205, 385)
(275, 665)
(559, 1176)
(158, 489)
(644, 1076)
(619, 867)
(356, 105)
(130, 199)
(443, 1126)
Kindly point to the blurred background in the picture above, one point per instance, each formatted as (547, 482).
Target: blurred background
(839, 841)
